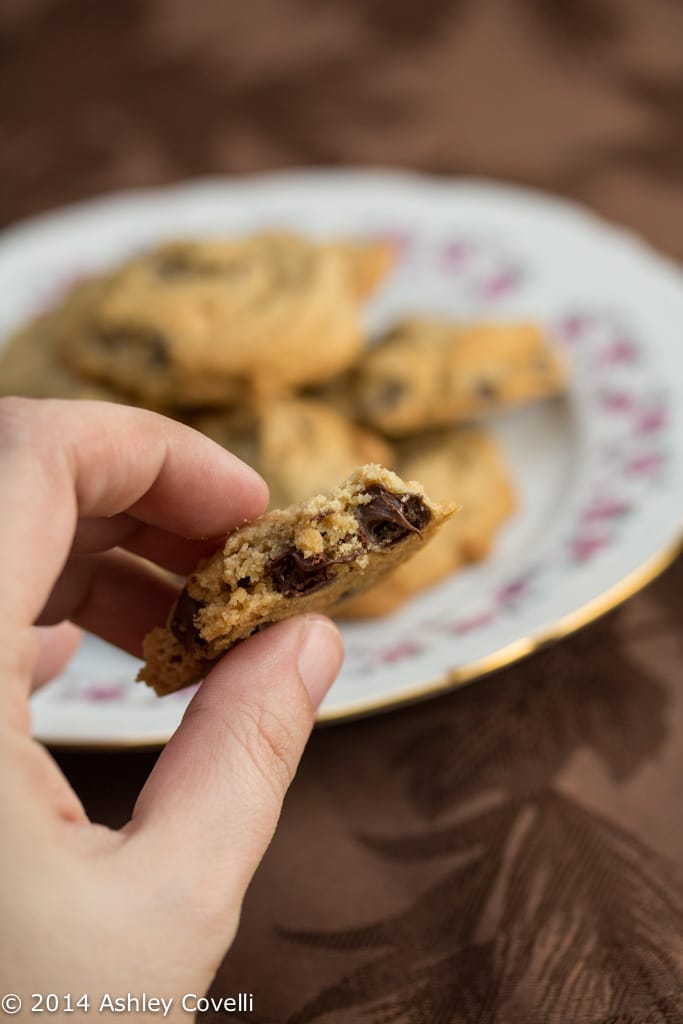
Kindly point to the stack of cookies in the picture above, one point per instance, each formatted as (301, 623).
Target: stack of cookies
(259, 343)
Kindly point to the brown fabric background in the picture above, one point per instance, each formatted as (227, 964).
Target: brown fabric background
(512, 852)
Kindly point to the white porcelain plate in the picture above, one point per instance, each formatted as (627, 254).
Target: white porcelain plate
(600, 473)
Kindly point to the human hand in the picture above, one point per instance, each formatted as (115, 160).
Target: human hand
(88, 488)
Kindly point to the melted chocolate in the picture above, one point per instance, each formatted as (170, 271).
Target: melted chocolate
(293, 573)
(182, 622)
(388, 518)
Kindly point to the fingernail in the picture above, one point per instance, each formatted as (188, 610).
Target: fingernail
(320, 656)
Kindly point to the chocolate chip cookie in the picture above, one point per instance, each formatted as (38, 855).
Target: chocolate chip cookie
(463, 462)
(301, 447)
(211, 323)
(306, 557)
(30, 365)
(429, 373)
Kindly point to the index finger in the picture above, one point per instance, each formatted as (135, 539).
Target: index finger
(63, 459)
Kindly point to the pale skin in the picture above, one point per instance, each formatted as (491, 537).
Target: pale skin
(88, 487)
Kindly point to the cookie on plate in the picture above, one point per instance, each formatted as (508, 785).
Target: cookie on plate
(429, 373)
(465, 462)
(30, 365)
(303, 558)
(211, 323)
(369, 263)
(301, 447)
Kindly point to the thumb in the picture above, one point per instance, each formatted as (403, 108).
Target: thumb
(211, 804)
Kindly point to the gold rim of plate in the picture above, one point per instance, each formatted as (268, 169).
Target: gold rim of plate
(521, 648)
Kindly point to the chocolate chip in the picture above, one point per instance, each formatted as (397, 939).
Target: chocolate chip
(178, 265)
(183, 622)
(173, 265)
(388, 518)
(391, 393)
(244, 582)
(293, 573)
(416, 512)
(144, 340)
(485, 389)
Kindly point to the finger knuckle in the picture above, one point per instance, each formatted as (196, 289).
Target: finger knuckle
(270, 746)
